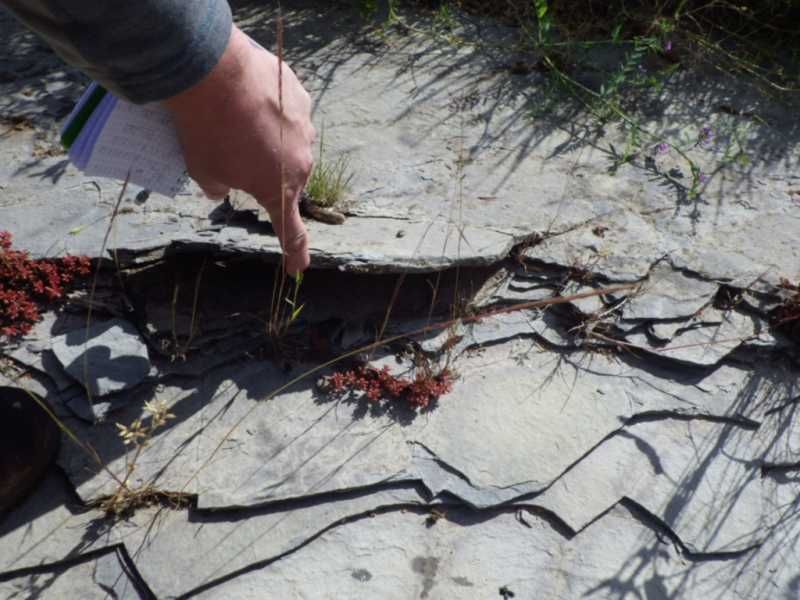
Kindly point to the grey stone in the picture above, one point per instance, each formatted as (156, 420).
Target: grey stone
(94, 579)
(707, 338)
(224, 543)
(44, 552)
(668, 294)
(34, 349)
(472, 555)
(175, 551)
(45, 528)
(106, 357)
(697, 476)
(511, 401)
(590, 449)
(498, 329)
(266, 448)
(407, 146)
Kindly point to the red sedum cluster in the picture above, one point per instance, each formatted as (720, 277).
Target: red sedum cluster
(380, 383)
(27, 284)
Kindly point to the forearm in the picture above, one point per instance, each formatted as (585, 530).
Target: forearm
(143, 50)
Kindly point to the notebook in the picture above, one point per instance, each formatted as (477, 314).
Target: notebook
(107, 136)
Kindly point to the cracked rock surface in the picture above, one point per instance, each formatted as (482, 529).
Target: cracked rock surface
(621, 421)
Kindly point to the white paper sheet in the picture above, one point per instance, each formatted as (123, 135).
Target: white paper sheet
(122, 140)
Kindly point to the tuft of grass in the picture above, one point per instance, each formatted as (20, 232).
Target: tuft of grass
(180, 350)
(286, 311)
(329, 181)
(125, 501)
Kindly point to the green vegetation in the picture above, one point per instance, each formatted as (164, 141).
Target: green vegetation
(600, 62)
(329, 181)
(752, 38)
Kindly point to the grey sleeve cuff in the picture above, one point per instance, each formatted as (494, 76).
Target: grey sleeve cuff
(143, 50)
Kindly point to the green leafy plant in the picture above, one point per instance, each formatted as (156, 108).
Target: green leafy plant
(444, 18)
(296, 308)
(544, 20)
(286, 307)
(369, 8)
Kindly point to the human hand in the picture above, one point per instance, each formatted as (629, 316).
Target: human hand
(229, 125)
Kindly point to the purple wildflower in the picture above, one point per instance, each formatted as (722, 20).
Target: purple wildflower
(668, 46)
(662, 148)
(702, 178)
(706, 136)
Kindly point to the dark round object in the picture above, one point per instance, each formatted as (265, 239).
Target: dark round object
(29, 440)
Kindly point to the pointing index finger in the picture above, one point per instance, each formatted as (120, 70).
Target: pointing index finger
(291, 232)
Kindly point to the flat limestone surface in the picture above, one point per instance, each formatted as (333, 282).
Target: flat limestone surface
(618, 419)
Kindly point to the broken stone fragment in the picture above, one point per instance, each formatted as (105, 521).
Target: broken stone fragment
(670, 294)
(331, 216)
(107, 357)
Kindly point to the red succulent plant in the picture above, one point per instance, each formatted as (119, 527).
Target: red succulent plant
(27, 285)
(378, 384)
